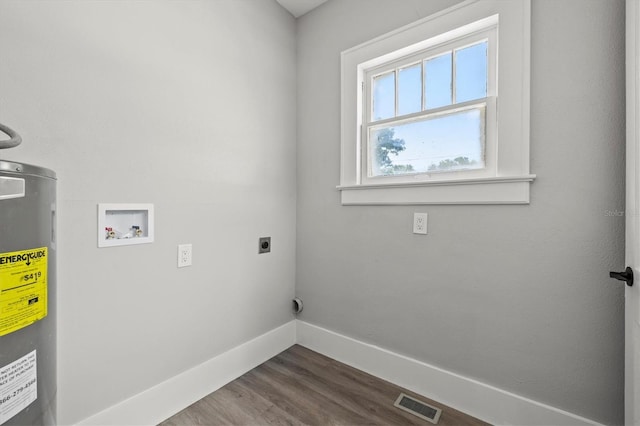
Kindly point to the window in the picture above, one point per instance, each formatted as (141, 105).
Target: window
(428, 112)
(421, 105)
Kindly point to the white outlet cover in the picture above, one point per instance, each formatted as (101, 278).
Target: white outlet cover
(420, 223)
(185, 255)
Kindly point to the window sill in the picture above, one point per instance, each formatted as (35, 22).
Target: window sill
(494, 190)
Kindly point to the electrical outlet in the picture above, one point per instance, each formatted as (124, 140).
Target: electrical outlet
(264, 245)
(185, 252)
(419, 223)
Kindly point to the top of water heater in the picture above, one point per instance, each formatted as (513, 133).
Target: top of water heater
(12, 167)
(26, 169)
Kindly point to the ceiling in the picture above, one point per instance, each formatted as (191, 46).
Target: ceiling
(299, 7)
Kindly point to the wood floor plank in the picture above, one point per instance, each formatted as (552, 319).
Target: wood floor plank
(377, 390)
(235, 407)
(274, 415)
(315, 407)
(366, 401)
(302, 387)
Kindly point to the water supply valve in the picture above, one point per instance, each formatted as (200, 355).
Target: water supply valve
(124, 224)
(111, 234)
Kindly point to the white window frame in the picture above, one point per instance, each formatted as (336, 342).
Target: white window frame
(506, 178)
(486, 31)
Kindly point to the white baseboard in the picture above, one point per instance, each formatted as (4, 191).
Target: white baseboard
(167, 398)
(478, 399)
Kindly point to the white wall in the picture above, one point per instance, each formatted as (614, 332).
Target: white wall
(514, 296)
(187, 105)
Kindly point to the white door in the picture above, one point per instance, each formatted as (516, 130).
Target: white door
(632, 221)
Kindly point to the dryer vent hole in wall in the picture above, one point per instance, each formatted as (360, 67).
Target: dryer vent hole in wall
(297, 305)
(418, 408)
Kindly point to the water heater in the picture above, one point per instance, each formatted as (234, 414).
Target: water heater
(27, 295)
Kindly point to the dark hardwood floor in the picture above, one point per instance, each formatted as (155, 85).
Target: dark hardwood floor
(302, 387)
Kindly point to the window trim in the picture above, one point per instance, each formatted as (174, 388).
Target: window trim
(510, 182)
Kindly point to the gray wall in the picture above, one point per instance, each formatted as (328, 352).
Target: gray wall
(187, 105)
(514, 296)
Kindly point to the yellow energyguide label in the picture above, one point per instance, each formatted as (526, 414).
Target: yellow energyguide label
(23, 288)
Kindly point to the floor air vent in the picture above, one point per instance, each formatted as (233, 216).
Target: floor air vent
(418, 408)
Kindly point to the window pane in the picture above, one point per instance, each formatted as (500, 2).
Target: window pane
(441, 143)
(384, 96)
(438, 81)
(410, 89)
(471, 72)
